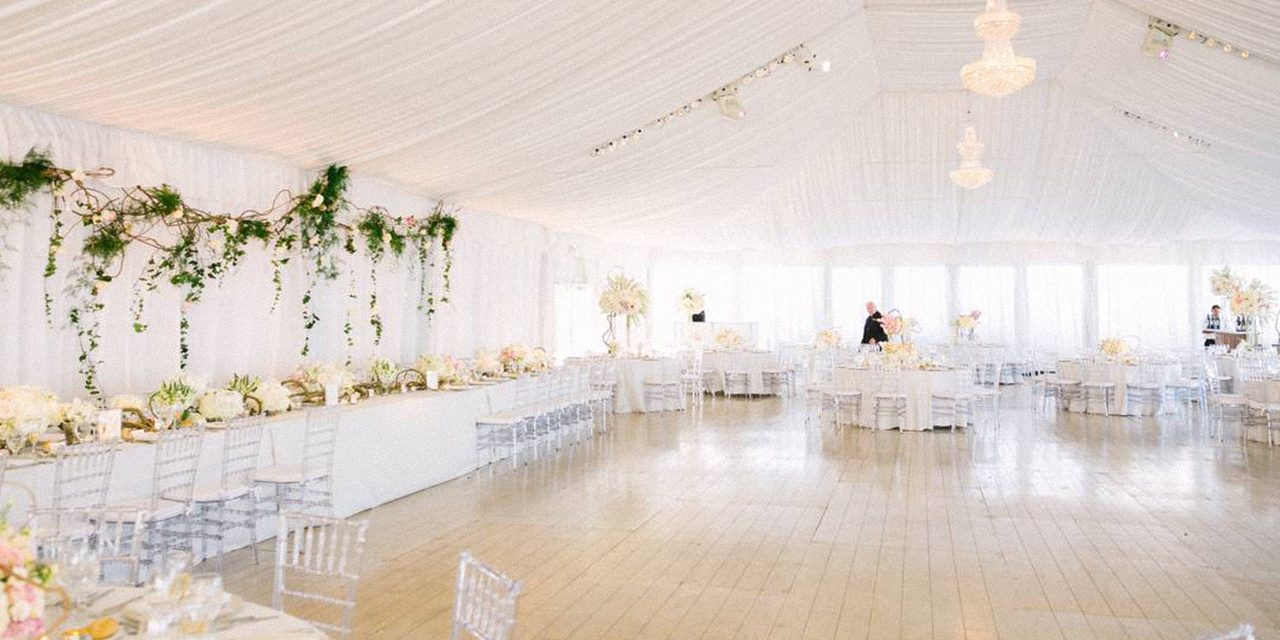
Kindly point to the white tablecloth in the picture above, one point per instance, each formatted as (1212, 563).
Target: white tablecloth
(387, 448)
(247, 621)
(1264, 391)
(1121, 375)
(919, 386)
(632, 372)
(751, 362)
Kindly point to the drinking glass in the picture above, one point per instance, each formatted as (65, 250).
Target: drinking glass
(205, 600)
(171, 574)
(79, 572)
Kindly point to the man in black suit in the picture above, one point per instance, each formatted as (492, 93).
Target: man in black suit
(872, 330)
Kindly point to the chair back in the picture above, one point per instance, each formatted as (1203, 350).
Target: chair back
(320, 440)
(240, 452)
(115, 535)
(82, 474)
(177, 458)
(324, 556)
(485, 604)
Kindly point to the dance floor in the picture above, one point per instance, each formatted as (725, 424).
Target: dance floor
(740, 522)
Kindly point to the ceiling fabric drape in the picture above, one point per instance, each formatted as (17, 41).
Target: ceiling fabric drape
(496, 106)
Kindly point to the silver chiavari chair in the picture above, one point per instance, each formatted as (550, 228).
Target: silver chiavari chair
(318, 563)
(485, 603)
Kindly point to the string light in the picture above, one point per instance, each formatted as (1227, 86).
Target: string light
(1212, 42)
(725, 95)
(1165, 129)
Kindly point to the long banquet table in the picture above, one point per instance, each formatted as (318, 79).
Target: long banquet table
(919, 386)
(388, 447)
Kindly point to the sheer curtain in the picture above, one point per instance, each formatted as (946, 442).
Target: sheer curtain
(1149, 302)
(920, 292)
(786, 302)
(579, 323)
(992, 291)
(1055, 307)
(851, 289)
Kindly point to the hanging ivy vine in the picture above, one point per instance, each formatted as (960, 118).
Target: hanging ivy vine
(188, 248)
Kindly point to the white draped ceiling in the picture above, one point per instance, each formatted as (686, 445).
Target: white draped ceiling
(496, 105)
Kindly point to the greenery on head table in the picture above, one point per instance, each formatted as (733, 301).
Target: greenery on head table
(187, 249)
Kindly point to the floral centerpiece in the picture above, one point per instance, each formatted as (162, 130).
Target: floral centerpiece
(513, 358)
(899, 354)
(25, 412)
(1223, 283)
(902, 328)
(828, 339)
(625, 297)
(728, 340)
(76, 418)
(173, 403)
(486, 364)
(964, 325)
(1254, 300)
(221, 405)
(25, 583)
(310, 381)
(539, 360)
(261, 396)
(1113, 347)
(380, 375)
(445, 367)
(692, 302)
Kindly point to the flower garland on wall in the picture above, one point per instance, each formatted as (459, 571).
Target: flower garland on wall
(190, 248)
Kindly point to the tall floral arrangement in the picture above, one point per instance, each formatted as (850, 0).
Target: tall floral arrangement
(965, 324)
(1223, 283)
(1113, 347)
(692, 302)
(1253, 300)
(900, 327)
(625, 297)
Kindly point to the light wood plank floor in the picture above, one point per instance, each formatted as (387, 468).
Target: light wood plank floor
(740, 523)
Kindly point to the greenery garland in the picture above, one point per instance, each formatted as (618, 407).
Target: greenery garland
(190, 248)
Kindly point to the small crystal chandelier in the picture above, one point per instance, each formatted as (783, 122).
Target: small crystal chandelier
(971, 173)
(1000, 72)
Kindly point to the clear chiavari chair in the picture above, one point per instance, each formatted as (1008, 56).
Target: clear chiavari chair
(117, 538)
(693, 381)
(82, 475)
(307, 486)
(889, 402)
(1224, 408)
(168, 505)
(231, 503)
(485, 602)
(318, 562)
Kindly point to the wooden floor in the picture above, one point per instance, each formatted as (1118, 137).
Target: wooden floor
(741, 523)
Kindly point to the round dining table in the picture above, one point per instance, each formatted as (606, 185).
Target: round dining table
(241, 620)
(919, 385)
(631, 374)
(753, 363)
(1119, 374)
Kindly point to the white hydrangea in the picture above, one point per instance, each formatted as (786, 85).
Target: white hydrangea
(273, 396)
(220, 405)
(77, 413)
(127, 401)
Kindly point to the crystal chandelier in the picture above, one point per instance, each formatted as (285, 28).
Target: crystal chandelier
(1000, 72)
(971, 173)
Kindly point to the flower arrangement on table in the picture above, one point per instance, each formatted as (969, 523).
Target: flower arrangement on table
(1113, 347)
(173, 404)
(513, 357)
(539, 360)
(900, 327)
(310, 382)
(828, 339)
(380, 376)
(1223, 283)
(899, 354)
(486, 364)
(728, 340)
(964, 325)
(625, 297)
(444, 367)
(692, 302)
(25, 584)
(25, 413)
(1253, 300)
(261, 397)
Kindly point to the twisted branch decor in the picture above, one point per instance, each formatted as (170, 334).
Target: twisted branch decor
(189, 248)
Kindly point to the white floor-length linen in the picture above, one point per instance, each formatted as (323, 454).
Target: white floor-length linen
(387, 448)
(632, 373)
(918, 385)
(752, 363)
(1121, 376)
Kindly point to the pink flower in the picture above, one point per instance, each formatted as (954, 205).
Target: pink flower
(10, 557)
(410, 221)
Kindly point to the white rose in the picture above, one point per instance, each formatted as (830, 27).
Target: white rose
(318, 201)
(217, 244)
(77, 412)
(221, 405)
(233, 227)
